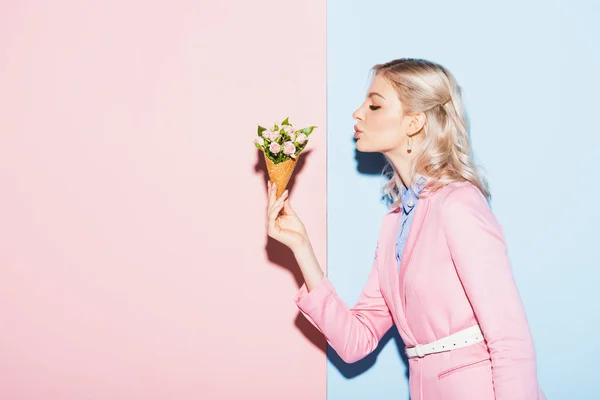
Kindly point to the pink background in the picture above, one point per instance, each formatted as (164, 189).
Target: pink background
(133, 255)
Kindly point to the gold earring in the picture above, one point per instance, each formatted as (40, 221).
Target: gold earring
(409, 147)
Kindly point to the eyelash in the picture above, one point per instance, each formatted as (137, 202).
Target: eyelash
(374, 107)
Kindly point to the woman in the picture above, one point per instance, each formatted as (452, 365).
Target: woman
(441, 271)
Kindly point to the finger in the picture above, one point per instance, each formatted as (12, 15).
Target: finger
(281, 199)
(279, 203)
(270, 215)
(274, 214)
(268, 195)
(273, 194)
(276, 208)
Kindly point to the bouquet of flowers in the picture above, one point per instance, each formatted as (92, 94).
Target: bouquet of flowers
(281, 146)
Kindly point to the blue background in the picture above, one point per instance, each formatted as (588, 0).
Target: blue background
(529, 71)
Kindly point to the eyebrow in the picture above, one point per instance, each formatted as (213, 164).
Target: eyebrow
(375, 94)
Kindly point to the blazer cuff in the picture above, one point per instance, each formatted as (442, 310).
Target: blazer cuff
(304, 298)
(311, 302)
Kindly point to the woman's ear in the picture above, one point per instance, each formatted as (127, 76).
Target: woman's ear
(417, 123)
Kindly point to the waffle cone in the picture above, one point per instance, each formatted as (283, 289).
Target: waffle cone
(280, 173)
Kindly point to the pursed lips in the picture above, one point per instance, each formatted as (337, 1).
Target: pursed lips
(357, 132)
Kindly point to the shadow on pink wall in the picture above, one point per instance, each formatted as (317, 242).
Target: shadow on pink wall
(280, 255)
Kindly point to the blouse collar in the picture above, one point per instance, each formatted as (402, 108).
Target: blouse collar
(410, 195)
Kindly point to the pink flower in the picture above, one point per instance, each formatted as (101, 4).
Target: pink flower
(275, 147)
(289, 149)
(260, 141)
(271, 135)
(292, 136)
(301, 138)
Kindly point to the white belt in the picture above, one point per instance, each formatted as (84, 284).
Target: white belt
(463, 338)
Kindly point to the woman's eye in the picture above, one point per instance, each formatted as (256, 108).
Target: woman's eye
(374, 107)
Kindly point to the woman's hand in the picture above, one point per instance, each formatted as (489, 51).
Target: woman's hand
(286, 228)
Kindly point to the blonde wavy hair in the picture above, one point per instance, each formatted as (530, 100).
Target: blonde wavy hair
(446, 154)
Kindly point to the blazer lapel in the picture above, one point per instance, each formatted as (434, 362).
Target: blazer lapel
(414, 234)
(397, 283)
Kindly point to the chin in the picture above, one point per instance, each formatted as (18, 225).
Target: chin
(362, 147)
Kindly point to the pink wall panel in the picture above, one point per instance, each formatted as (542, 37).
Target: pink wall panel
(133, 258)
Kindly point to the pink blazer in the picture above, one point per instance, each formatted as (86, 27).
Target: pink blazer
(455, 273)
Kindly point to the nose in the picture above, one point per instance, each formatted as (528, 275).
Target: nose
(357, 114)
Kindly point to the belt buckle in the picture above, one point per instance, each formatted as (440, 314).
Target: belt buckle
(419, 351)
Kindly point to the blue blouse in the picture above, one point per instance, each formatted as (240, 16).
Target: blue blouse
(409, 202)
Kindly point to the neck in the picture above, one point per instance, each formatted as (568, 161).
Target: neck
(402, 165)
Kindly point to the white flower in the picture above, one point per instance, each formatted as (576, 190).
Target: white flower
(301, 138)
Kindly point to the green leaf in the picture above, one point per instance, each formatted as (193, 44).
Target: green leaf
(261, 130)
(308, 130)
(285, 121)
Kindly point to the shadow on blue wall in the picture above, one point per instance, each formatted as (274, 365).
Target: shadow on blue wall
(373, 164)
(369, 164)
(357, 368)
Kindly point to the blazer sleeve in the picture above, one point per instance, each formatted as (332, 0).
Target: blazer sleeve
(478, 249)
(352, 332)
